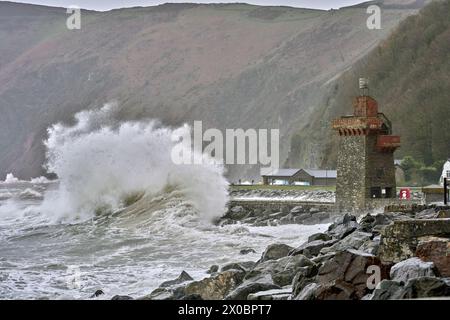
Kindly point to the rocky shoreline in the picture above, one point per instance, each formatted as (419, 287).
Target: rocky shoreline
(390, 255)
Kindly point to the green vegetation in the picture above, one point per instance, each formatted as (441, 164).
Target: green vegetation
(417, 173)
(410, 77)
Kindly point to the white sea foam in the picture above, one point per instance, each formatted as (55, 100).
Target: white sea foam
(99, 162)
(10, 178)
(40, 180)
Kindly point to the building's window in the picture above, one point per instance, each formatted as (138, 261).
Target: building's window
(375, 192)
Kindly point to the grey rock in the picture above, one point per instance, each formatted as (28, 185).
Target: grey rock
(371, 246)
(215, 287)
(171, 293)
(246, 288)
(308, 292)
(117, 297)
(415, 288)
(387, 290)
(281, 271)
(304, 277)
(247, 251)
(320, 259)
(343, 227)
(427, 214)
(183, 277)
(192, 297)
(213, 269)
(319, 236)
(275, 251)
(427, 287)
(297, 210)
(352, 241)
(273, 294)
(301, 217)
(345, 275)
(367, 222)
(242, 266)
(277, 215)
(314, 210)
(312, 248)
(97, 293)
(236, 213)
(411, 268)
(400, 239)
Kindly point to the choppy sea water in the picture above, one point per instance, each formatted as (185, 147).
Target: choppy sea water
(130, 251)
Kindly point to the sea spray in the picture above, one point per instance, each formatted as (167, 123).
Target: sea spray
(100, 162)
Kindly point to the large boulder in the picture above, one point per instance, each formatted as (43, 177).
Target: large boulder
(304, 277)
(312, 249)
(319, 236)
(436, 250)
(236, 213)
(352, 241)
(388, 290)
(308, 292)
(400, 239)
(248, 287)
(275, 252)
(427, 287)
(216, 287)
(243, 266)
(411, 268)
(371, 246)
(183, 277)
(169, 293)
(343, 227)
(281, 271)
(274, 294)
(345, 275)
(416, 288)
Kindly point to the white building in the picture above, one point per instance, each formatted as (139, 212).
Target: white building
(445, 172)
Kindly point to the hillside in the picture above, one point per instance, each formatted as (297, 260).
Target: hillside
(410, 77)
(231, 66)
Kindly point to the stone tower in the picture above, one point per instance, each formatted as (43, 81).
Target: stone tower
(365, 168)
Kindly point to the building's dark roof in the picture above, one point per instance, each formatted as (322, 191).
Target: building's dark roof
(267, 172)
(279, 172)
(321, 173)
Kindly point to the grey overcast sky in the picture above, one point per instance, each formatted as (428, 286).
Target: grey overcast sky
(113, 4)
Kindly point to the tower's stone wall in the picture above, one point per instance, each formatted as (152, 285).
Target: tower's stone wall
(351, 173)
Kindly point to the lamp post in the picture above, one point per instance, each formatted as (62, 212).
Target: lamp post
(445, 191)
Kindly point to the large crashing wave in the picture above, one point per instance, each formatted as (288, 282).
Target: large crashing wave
(99, 162)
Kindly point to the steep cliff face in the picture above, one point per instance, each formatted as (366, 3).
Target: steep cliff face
(410, 77)
(231, 66)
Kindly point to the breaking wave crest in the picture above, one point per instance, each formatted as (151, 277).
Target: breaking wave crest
(104, 165)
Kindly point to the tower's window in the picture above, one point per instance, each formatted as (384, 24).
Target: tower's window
(380, 173)
(389, 192)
